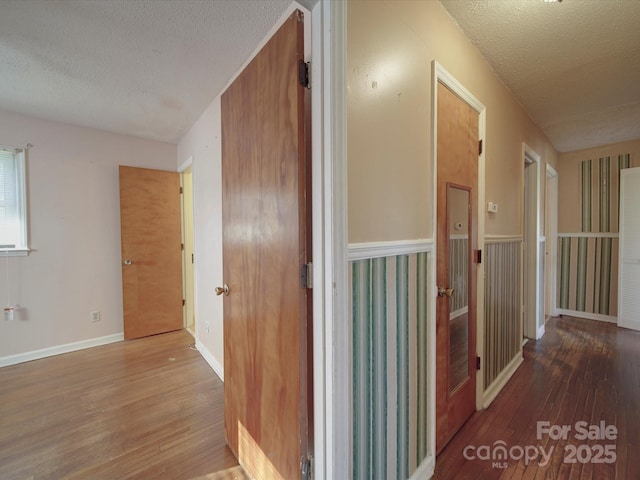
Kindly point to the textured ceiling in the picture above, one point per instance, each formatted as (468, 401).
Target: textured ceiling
(142, 67)
(574, 66)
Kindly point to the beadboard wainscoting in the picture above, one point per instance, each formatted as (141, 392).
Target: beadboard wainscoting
(503, 312)
(390, 307)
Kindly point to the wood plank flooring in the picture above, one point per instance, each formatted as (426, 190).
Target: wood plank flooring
(143, 409)
(581, 370)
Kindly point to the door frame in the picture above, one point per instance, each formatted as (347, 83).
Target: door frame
(188, 164)
(551, 240)
(439, 74)
(331, 334)
(532, 310)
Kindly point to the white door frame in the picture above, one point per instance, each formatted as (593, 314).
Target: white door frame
(551, 243)
(532, 295)
(186, 272)
(331, 328)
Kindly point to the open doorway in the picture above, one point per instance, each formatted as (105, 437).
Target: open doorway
(534, 248)
(188, 259)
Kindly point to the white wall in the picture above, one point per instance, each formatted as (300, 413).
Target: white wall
(73, 199)
(202, 144)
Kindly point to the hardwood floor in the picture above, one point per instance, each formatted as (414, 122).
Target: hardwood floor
(581, 370)
(143, 409)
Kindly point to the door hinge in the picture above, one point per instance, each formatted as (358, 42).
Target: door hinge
(478, 256)
(477, 363)
(480, 147)
(303, 74)
(192, 258)
(182, 246)
(306, 275)
(305, 469)
(181, 191)
(184, 302)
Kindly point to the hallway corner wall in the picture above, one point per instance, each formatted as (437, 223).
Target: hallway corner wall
(588, 210)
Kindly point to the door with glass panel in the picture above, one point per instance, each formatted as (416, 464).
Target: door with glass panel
(457, 180)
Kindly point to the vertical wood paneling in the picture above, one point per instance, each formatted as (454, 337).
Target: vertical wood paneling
(389, 313)
(502, 307)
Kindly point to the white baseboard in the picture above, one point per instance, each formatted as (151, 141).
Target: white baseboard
(425, 469)
(60, 349)
(588, 316)
(210, 359)
(501, 380)
(540, 332)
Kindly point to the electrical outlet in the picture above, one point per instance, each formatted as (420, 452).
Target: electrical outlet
(95, 316)
(206, 327)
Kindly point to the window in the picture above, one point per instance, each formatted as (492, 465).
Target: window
(13, 205)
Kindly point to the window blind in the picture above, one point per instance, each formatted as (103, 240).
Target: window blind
(10, 221)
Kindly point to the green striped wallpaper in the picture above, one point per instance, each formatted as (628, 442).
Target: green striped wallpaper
(389, 315)
(503, 303)
(599, 193)
(587, 264)
(588, 274)
(459, 274)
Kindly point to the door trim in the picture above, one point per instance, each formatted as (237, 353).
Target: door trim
(188, 165)
(551, 234)
(439, 74)
(531, 257)
(332, 340)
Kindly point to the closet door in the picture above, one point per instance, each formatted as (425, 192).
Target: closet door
(629, 258)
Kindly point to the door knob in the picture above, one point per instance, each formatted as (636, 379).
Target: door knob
(127, 262)
(224, 289)
(445, 292)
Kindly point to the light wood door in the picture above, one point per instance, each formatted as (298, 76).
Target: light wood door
(265, 196)
(151, 251)
(457, 182)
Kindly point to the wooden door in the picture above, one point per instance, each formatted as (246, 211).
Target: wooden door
(265, 243)
(457, 181)
(151, 251)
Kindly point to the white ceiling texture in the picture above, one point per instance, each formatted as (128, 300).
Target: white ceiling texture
(574, 65)
(147, 68)
(150, 67)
